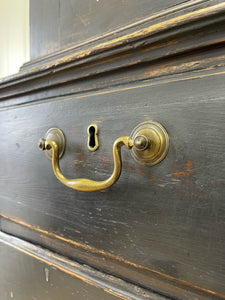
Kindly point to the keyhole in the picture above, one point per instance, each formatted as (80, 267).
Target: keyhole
(92, 137)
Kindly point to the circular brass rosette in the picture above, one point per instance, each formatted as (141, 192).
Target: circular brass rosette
(158, 143)
(58, 136)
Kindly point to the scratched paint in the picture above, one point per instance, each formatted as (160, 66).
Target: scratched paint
(46, 274)
(184, 170)
(125, 39)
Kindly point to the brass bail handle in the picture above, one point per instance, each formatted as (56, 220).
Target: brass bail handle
(148, 144)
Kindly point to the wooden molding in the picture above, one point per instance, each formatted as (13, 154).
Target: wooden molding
(148, 279)
(110, 284)
(183, 40)
(168, 19)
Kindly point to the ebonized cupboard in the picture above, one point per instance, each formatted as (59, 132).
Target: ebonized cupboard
(158, 232)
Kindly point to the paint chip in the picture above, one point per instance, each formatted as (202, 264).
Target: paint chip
(46, 274)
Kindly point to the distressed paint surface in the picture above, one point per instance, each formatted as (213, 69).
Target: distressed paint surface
(161, 227)
(179, 201)
(73, 22)
(24, 278)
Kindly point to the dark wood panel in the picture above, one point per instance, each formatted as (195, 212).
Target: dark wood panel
(168, 217)
(58, 24)
(44, 27)
(23, 276)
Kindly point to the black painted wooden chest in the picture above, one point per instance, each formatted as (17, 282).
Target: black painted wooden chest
(158, 232)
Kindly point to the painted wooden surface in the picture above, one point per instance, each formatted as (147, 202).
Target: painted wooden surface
(150, 50)
(163, 218)
(85, 281)
(161, 228)
(71, 22)
(24, 277)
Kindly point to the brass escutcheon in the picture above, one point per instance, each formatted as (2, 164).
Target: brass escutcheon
(56, 135)
(92, 137)
(156, 146)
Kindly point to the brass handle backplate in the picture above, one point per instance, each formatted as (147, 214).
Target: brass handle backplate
(148, 143)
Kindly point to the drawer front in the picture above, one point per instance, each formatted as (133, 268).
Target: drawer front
(166, 220)
(25, 277)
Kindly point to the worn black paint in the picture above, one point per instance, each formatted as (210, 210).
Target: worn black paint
(69, 23)
(24, 277)
(168, 218)
(164, 217)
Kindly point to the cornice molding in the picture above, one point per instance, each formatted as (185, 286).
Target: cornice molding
(152, 41)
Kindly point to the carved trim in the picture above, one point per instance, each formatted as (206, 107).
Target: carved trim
(159, 42)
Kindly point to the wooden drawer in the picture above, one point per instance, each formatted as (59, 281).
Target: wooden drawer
(158, 232)
(26, 277)
(165, 220)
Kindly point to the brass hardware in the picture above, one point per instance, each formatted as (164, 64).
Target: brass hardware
(149, 144)
(92, 137)
(141, 143)
(54, 134)
(87, 185)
